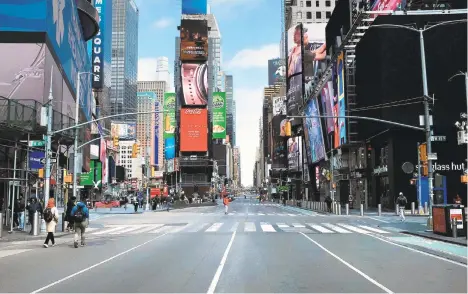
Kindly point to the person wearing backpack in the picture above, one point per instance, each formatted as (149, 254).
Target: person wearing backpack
(51, 218)
(80, 214)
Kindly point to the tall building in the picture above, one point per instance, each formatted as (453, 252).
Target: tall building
(162, 71)
(145, 127)
(157, 87)
(229, 109)
(317, 11)
(215, 75)
(125, 16)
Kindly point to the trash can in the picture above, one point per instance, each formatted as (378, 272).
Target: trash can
(442, 216)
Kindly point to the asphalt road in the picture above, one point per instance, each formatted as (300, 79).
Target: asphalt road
(256, 248)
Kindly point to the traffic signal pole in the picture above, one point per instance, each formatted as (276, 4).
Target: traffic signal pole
(48, 143)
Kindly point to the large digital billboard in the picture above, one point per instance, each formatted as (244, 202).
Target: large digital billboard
(327, 105)
(169, 148)
(279, 105)
(313, 132)
(219, 115)
(294, 95)
(339, 106)
(294, 50)
(295, 154)
(169, 115)
(97, 56)
(193, 40)
(314, 55)
(193, 129)
(276, 71)
(194, 6)
(194, 84)
(157, 127)
(124, 130)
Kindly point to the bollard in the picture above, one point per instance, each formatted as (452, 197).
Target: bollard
(413, 208)
(426, 210)
(35, 224)
(397, 209)
(63, 222)
(362, 209)
(379, 209)
(454, 228)
(333, 207)
(1, 224)
(339, 209)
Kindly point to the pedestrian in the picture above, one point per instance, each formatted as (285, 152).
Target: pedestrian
(226, 204)
(51, 218)
(68, 215)
(32, 208)
(80, 214)
(135, 205)
(329, 201)
(401, 201)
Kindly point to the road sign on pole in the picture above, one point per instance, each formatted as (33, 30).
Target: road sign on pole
(36, 143)
(52, 160)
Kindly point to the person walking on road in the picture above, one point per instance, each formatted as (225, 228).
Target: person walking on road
(68, 215)
(80, 214)
(226, 204)
(401, 201)
(51, 218)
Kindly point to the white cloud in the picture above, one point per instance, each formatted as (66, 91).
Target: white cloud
(248, 111)
(162, 23)
(250, 58)
(147, 69)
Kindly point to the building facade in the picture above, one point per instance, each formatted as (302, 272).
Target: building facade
(133, 166)
(230, 109)
(146, 125)
(125, 15)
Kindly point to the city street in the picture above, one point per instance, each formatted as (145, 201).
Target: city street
(256, 248)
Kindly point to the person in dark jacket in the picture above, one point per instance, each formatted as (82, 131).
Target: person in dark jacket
(329, 202)
(68, 215)
(80, 214)
(401, 201)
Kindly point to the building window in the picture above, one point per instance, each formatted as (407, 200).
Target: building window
(328, 14)
(309, 15)
(308, 3)
(317, 3)
(302, 3)
(328, 3)
(299, 15)
(318, 15)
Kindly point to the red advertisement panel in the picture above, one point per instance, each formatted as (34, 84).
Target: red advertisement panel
(193, 130)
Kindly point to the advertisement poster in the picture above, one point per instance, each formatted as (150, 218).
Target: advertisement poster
(194, 79)
(193, 130)
(341, 96)
(219, 115)
(276, 71)
(294, 51)
(193, 40)
(294, 95)
(87, 179)
(294, 154)
(169, 148)
(123, 130)
(313, 129)
(279, 105)
(169, 115)
(194, 6)
(327, 105)
(156, 134)
(314, 49)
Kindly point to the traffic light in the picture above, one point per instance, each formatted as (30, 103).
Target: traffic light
(424, 170)
(423, 152)
(116, 141)
(41, 173)
(135, 150)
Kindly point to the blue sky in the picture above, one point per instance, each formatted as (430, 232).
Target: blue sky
(251, 32)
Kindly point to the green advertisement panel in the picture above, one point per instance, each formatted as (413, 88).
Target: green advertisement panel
(219, 115)
(169, 115)
(86, 179)
(98, 172)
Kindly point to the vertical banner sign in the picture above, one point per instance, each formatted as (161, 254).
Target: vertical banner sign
(219, 115)
(156, 133)
(169, 115)
(98, 52)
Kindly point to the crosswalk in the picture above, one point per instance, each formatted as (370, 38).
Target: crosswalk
(262, 204)
(258, 213)
(240, 227)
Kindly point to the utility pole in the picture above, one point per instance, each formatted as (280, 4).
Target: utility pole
(48, 142)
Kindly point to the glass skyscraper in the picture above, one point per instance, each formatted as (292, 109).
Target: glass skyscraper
(124, 58)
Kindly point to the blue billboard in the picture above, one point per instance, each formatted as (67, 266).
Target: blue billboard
(313, 132)
(169, 148)
(194, 6)
(60, 21)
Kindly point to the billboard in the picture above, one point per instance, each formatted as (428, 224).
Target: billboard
(294, 95)
(87, 179)
(279, 105)
(295, 154)
(315, 53)
(169, 115)
(327, 105)
(276, 71)
(194, 78)
(156, 133)
(194, 6)
(313, 132)
(193, 40)
(294, 51)
(103, 160)
(339, 106)
(277, 126)
(219, 115)
(169, 148)
(193, 130)
(123, 130)
(97, 57)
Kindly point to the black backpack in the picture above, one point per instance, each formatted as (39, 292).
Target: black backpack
(48, 216)
(79, 216)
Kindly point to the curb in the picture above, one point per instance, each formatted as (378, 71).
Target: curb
(434, 238)
(33, 238)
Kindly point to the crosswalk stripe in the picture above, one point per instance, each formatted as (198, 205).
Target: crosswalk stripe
(354, 229)
(176, 229)
(297, 225)
(89, 230)
(146, 229)
(282, 225)
(320, 229)
(336, 228)
(109, 230)
(126, 230)
(234, 227)
(290, 214)
(162, 229)
(266, 227)
(260, 213)
(374, 229)
(215, 227)
(249, 227)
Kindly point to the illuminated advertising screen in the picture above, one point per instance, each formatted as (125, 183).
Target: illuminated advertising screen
(194, 84)
(339, 106)
(294, 95)
(194, 6)
(123, 130)
(193, 130)
(169, 115)
(97, 56)
(219, 115)
(294, 51)
(156, 133)
(313, 131)
(327, 105)
(193, 40)
(314, 49)
(295, 154)
(169, 148)
(276, 71)
(279, 105)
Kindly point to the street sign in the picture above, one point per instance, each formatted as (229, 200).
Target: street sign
(438, 138)
(36, 144)
(15, 183)
(52, 160)
(432, 156)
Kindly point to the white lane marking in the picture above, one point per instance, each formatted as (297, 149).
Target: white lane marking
(197, 227)
(336, 228)
(249, 227)
(147, 228)
(354, 229)
(234, 227)
(290, 214)
(320, 229)
(217, 275)
(88, 230)
(282, 225)
(215, 227)
(349, 265)
(5, 253)
(297, 225)
(109, 230)
(260, 213)
(95, 265)
(129, 229)
(266, 227)
(418, 251)
(176, 229)
(374, 229)
(378, 219)
(164, 229)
